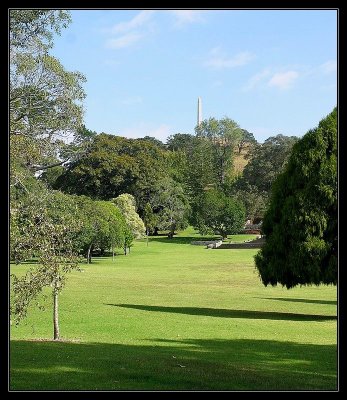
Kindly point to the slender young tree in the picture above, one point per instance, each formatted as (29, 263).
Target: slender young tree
(47, 229)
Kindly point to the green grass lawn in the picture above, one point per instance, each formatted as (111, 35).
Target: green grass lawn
(173, 316)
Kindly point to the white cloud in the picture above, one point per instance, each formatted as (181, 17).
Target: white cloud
(183, 17)
(130, 31)
(139, 20)
(283, 80)
(256, 79)
(219, 60)
(329, 67)
(123, 41)
(129, 101)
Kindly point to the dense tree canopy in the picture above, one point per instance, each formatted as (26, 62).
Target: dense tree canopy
(267, 160)
(301, 222)
(193, 162)
(219, 214)
(225, 135)
(170, 205)
(265, 163)
(246, 139)
(114, 165)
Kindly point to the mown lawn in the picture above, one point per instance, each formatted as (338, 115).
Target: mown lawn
(173, 316)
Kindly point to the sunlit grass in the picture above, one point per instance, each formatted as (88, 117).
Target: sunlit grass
(173, 316)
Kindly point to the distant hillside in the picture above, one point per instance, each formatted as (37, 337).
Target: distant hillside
(239, 160)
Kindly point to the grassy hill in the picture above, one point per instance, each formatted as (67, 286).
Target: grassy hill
(240, 160)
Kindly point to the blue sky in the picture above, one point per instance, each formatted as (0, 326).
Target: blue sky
(272, 71)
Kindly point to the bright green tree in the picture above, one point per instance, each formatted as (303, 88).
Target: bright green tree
(192, 163)
(116, 228)
(102, 226)
(127, 204)
(301, 222)
(214, 212)
(225, 135)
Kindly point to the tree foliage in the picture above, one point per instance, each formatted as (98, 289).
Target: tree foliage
(267, 160)
(45, 108)
(47, 228)
(114, 165)
(170, 206)
(301, 222)
(127, 205)
(149, 219)
(246, 139)
(192, 163)
(225, 135)
(219, 214)
(45, 100)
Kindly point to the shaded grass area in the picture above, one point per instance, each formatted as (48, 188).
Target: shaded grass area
(130, 323)
(193, 364)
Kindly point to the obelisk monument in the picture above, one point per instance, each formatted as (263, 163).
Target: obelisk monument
(199, 111)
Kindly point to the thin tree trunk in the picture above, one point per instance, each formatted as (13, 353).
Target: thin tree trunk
(112, 253)
(89, 256)
(55, 315)
(147, 231)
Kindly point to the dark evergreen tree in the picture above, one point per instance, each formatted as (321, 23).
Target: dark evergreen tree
(301, 222)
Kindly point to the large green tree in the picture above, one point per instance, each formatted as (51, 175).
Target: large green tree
(102, 226)
(225, 134)
(170, 206)
(214, 212)
(45, 100)
(192, 163)
(114, 165)
(246, 139)
(301, 222)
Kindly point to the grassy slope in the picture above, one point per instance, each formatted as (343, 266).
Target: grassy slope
(173, 316)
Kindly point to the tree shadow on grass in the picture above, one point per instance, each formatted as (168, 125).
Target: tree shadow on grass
(164, 364)
(225, 313)
(182, 239)
(299, 300)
